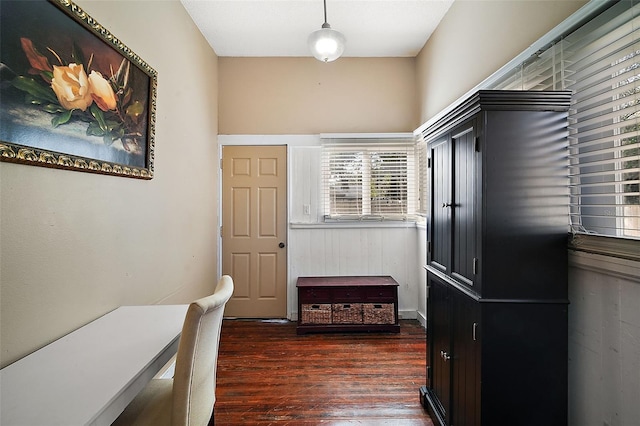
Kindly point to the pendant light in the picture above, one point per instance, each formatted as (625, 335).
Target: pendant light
(326, 44)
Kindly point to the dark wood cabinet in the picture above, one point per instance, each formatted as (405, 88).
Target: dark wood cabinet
(347, 303)
(497, 261)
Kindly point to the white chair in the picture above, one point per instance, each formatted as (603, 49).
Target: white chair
(188, 399)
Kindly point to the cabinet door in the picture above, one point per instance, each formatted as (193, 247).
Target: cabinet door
(463, 205)
(440, 231)
(439, 335)
(466, 352)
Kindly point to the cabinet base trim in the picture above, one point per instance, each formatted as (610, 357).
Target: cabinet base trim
(428, 402)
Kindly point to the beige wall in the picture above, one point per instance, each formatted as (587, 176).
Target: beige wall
(475, 39)
(73, 245)
(306, 96)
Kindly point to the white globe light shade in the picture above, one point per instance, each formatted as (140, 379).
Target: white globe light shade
(326, 44)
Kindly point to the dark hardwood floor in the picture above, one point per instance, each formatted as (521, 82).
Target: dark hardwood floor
(269, 375)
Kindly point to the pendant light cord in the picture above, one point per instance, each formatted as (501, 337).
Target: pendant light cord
(325, 11)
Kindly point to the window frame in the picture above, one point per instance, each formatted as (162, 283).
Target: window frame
(366, 146)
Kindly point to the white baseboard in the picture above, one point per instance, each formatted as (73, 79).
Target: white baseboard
(407, 314)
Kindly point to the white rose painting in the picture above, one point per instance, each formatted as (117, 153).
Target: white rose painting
(72, 96)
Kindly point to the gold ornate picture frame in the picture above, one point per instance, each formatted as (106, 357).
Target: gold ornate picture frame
(73, 96)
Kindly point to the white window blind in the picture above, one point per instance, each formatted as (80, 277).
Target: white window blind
(369, 179)
(600, 63)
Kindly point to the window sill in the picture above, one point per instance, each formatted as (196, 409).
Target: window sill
(622, 248)
(346, 224)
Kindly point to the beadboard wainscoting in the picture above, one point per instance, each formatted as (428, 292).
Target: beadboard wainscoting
(363, 250)
(604, 340)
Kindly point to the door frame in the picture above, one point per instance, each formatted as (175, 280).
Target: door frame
(265, 140)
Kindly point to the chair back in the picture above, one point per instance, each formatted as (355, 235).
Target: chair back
(194, 381)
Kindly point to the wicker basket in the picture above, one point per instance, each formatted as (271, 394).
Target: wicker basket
(347, 313)
(379, 313)
(318, 313)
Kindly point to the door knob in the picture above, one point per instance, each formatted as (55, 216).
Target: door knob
(281, 245)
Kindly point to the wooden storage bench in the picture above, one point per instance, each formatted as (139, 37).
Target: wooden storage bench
(344, 303)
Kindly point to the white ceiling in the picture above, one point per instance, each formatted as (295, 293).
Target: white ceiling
(260, 28)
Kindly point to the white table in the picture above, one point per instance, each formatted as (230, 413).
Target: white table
(89, 376)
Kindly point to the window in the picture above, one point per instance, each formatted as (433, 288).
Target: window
(600, 63)
(423, 178)
(369, 178)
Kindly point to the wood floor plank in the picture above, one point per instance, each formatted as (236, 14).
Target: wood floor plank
(267, 374)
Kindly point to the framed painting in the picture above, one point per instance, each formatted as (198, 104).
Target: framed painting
(72, 95)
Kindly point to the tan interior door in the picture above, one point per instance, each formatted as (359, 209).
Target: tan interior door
(254, 229)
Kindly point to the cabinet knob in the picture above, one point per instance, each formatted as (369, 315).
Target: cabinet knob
(445, 355)
(445, 205)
